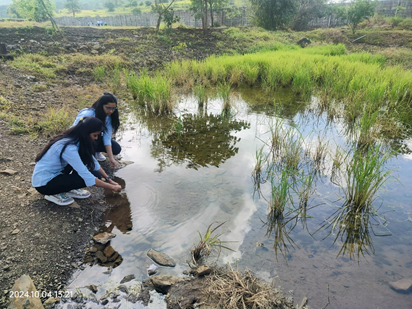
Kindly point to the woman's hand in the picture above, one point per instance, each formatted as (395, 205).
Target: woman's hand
(112, 182)
(116, 188)
(113, 162)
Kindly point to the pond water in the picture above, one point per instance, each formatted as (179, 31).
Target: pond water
(183, 180)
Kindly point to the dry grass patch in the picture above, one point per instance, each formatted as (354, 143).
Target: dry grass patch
(232, 289)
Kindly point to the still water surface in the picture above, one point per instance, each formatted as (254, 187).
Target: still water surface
(175, 189)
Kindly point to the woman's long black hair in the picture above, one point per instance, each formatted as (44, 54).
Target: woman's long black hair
(105, 99)
(79, 133)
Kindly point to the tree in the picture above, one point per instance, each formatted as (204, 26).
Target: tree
(72, 6)
(306, 11)
(273, 14)
(199, 7)
(358, 11)
(110, 6)
(12, 11)
(160, 9)
(148, 3)
(136, 11)
(216, 5)
(36, 10)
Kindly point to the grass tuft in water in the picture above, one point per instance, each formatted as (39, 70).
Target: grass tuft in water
(208, 241)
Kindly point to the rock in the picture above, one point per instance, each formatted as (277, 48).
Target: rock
(16, 231)
(92, 288)
(101, 256)
(403, 286)
(203, 270)
(108, 251)
(25, 284)
(304, 42)
(8, 171)
(162, 284)
(48, 304)
(31, 78)
(103, 238)
(132, 298)
(74, 205)
(123, 289)
(127, 278)
(161, 258)
(94, 51)
(151, 272)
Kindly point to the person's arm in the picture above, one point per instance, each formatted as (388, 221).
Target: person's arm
(113, 162)
(107, 142)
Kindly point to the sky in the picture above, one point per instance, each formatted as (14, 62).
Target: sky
(5, 2)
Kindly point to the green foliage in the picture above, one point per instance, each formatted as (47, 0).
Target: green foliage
(358, 11)
(307, 10)
(169, 18)
(136, 11)
(33, 9)
(73, 6)
(273, 14)
(208, 241)
(110, 6)
(148, 3)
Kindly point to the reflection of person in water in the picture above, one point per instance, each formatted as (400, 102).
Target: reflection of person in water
(120, 213)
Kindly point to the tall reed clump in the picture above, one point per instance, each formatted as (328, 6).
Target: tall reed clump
(115, 79)
(223, 91)
(199, 92)
(131, 83)
(364, 176)
(154, 92)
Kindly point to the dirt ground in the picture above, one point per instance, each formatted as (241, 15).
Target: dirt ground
(38, 238)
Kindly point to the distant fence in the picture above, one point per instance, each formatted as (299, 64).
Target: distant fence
(228, 17)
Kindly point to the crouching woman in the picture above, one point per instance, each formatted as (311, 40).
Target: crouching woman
(67, 164)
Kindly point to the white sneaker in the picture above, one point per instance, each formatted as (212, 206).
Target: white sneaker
(78, 193)
(61, 199)
(99, 157)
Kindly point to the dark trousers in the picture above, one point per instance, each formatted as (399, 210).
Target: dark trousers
(116, 148)
(65, 182)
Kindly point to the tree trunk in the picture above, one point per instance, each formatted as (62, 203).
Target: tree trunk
(205, 17)
(211, 12)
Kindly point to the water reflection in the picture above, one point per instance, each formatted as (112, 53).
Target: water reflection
(198, 140)
(117, 216)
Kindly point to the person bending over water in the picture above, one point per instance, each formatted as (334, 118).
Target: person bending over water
(105, 109)
(67, 164)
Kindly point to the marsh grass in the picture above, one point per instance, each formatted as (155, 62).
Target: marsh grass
(115, 79)
(223, 91)
(359, 80)
(199, 92)
(154, 92)
(364, 176)
(208, 241)
(99, 73)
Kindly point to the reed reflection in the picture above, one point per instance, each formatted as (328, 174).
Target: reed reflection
(119, 216)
